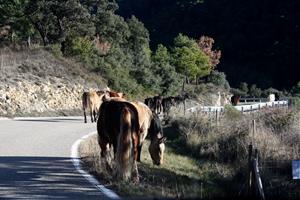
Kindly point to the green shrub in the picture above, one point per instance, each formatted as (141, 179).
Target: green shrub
(81, 47)
(55, 49)
(219, 79)
(254, 91)
(296, 90)
(295, 102)
(236, 91)
(232, 113)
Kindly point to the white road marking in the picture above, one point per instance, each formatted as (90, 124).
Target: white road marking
(76, 162)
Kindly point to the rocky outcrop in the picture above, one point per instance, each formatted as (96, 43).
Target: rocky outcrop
(38, 84)
(26, 97)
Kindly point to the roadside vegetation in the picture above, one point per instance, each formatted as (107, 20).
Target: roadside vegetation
(207, 159)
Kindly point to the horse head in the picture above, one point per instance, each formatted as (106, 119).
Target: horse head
(156, 149)
(157, 145)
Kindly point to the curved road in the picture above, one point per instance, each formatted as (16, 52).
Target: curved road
(35, 159)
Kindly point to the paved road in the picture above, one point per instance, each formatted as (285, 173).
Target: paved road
(35, 159)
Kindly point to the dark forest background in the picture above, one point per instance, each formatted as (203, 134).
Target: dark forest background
(259, 39)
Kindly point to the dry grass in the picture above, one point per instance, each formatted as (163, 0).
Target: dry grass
(277, 134)
(180, 176)
(277, 139)
(201, 154)
(40, 65)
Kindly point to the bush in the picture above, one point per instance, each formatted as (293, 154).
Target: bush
(254, 91)
(295, 102)
(219, 79)
(269, 91)
(55, 49)
(232, 113)
(236, 91)
(81, 47)
(296, 90)
(277, 135)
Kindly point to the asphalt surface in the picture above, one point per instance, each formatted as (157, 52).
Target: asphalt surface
(35, 159)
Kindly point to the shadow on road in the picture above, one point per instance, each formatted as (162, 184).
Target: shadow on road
(43, 178)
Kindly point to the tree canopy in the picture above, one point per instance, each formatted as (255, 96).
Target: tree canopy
(117, 47)
(189, 59)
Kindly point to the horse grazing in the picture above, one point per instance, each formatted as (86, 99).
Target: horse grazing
(157, 145)
(154, 103)
(92, 101)
(110, 130)
(150, 103)
(150, 122)
(167, 103)
(181, 98)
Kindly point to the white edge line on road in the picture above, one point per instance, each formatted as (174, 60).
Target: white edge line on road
(57, 117)
(4, 118)
(76, 162)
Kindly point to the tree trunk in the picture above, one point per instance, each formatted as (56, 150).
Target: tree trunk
(29, 41)
(43, 33)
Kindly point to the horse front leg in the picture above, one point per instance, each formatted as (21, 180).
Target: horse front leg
(139, 152)
(91, 113)
(135, 173)
(84, 114)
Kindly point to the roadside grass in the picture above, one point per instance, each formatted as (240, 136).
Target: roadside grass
(180, 176)
(205, 159)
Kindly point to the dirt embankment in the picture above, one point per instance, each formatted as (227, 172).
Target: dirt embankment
(36, 83)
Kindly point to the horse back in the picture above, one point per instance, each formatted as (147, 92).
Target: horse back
(109, 121)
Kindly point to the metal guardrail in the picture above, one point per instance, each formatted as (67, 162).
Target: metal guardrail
(252, 99)
(242, 108)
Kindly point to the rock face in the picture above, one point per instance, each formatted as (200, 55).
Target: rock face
(45, 85)
(27, 98)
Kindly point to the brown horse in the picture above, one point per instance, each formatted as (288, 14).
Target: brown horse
(110, 129)
(116, 94)
(167, 103)
(235, 99)
(150, 122)
(118, 126)
(92, 102)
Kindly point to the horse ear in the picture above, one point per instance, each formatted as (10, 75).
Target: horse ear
(162, 140)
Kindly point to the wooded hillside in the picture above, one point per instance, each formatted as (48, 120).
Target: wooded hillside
(258, 39)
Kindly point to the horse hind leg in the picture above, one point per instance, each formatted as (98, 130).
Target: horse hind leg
(95, 115)
(105, 157)
(135, 173)
(139, 151)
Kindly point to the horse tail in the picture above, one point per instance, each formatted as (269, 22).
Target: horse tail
(124, 155)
